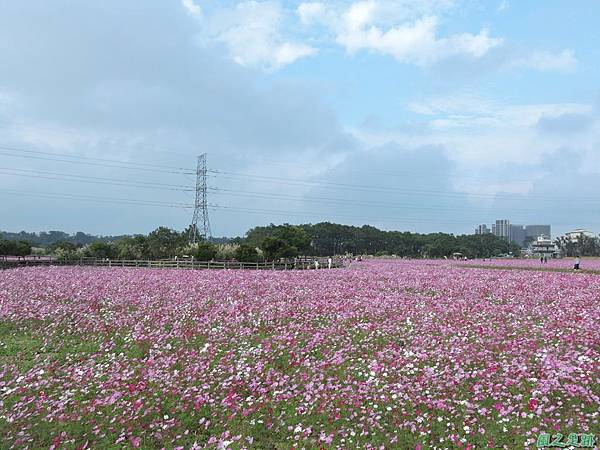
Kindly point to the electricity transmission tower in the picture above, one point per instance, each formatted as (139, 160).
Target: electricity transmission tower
(200, 205)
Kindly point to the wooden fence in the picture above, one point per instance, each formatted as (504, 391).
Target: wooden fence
(298, 264)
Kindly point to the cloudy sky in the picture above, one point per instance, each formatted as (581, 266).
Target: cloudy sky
(421, 115)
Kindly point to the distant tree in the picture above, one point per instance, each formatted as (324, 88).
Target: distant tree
(63, 249)
(102, 250)
(205, 251)
(276, 248)
(133, 247)
(582, 246)
(246, 253)
(293, 236)
(190, 231)
(8, 247)
(164, 243)
(63, 246)
(23, 248)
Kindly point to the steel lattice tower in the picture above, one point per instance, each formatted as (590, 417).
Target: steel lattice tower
(201, 204)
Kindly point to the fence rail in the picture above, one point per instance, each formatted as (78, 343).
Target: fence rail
(298, 264)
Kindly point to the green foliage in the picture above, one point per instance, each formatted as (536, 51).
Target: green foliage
(102, 250)
(46, 238)
(582, 246)
(132, 247)
(246, 253)
(226, 252)
(63, 249)
(294, 236)
(276, 248)
(332, 239)
(14, 248)
(164, 243)
(204, 251)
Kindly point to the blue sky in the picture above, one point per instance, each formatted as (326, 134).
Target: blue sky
(430, 115)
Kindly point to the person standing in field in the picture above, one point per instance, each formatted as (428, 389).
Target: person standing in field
(329, 262)
(577, 263)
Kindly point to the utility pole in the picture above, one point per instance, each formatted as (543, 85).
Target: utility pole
(201, 204)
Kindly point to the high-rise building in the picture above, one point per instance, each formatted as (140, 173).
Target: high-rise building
(482, 229)
(517, 234)
(534, 231)
(502, 228)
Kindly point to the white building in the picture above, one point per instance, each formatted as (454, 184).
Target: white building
(544, 246)
(577, 234)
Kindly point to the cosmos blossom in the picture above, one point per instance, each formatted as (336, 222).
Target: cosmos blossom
(384, 354)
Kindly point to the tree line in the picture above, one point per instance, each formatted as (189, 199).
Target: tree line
(324, 239)
(582, 246)
(273, 242)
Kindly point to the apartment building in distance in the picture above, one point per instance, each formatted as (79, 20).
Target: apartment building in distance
(482, 229)
(535, 231)
(518, 234)
(502, 228)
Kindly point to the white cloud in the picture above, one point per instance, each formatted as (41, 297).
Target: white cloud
(312, 12)
(403, 29)
(191, 7)
(252, 33)
(564, 61)
(415, 42)
(360, 14)
(503, 6)
(265, 34)
(480, 135)
(287, 53)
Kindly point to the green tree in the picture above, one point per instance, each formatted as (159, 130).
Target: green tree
(23, 248)
(102, 250)
(293, 236)
(132, 247)
(246, 253)
(8, 248)
(204, 251)
(164, 243)
(63, 249)
(276, 248)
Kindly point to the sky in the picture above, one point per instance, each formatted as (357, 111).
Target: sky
(412, 115)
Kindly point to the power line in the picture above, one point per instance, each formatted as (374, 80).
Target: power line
(97, 199)
(371, 188)
(315, 213)
(340, 201)
(362, 218)
(96, 162)
(218, 207)
(395, 173)
(38, 174)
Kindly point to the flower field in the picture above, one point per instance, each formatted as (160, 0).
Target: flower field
(592, 264)
(385, 354)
